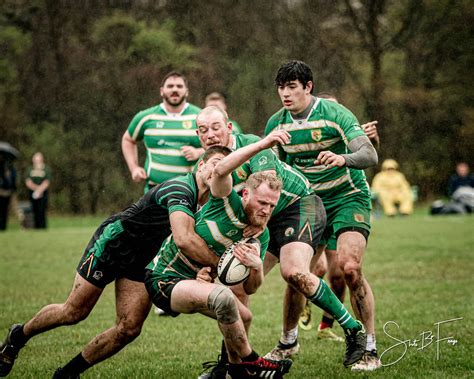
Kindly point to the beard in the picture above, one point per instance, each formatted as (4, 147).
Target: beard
(174, 102)
(255, 219)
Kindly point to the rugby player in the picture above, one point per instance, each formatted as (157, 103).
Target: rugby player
(330, 148)
(295, 228)
(178, 284)
(119, 251)
(168, 132)
(323, 262)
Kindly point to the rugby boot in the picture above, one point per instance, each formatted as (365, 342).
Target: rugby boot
(369, 362)
(9, 351)
(260, 368)
(356, 341)
(328, 334)
(283, 351)
(214, 369)
(305, 322)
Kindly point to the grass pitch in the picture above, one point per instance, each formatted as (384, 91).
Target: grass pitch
(420, 268)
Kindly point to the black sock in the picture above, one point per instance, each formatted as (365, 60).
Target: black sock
(77, 365)
(18, 338)
(250, 358)
(328, 320)
(224, 357)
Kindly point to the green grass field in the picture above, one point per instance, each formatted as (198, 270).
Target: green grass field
(421, 270)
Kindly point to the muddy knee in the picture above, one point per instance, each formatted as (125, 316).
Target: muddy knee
(73, 315)
(352, 274)
(300, 281)
(222, 302)
(127, 332)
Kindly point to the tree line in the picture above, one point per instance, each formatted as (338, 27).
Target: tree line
(73, 74)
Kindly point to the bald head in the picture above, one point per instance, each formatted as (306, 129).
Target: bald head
(213, 127)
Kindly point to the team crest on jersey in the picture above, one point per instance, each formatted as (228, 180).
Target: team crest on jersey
(262, 161)
(187, 124)
(358, 217)
(241, 174)
(97, 275)
(232, 232)
(316, 135)
(159, 124)
(289, 231)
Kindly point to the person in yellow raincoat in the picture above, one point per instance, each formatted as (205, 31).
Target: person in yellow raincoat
(392, 189)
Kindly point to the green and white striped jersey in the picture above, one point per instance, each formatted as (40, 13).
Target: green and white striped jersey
(164, 134)
(295, 185)
(329, 126)
(220, 222)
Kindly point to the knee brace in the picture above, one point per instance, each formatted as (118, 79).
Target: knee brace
(222, 302)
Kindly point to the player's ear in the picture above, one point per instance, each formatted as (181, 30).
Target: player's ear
(309, 87)
(229, 127)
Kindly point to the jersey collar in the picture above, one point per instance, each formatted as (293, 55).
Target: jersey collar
(162, 106)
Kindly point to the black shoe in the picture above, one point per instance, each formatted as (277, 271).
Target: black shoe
(214, 369)
(356, 341)
(8, 352)
(260, 368)
(61, 374)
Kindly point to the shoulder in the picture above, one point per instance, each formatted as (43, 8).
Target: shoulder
(192, 109)
(246, 139)
(333, 111)
(152, 110)
(277, 117)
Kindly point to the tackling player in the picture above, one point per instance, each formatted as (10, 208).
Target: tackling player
(119, 251)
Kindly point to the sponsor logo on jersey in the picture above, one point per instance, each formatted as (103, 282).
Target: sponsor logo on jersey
(358, 217)
(262, 161)
(232, 232)
(289, 231)
(187, 124)
(241, 174)
(184, 202)
(316, 135)
(97, 275)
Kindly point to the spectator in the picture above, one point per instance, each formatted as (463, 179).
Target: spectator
(392, 189)
(7, 187)
(462, 178)
(38, 180)
(219, 100)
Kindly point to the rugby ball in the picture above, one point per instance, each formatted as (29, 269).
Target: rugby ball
(230, 270)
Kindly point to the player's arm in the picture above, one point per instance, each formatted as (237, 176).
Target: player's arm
(249, 255)
(363, 155)
(221, 184)
(130, 153)
(188, 241)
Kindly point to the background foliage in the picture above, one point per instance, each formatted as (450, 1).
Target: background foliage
(73, 74)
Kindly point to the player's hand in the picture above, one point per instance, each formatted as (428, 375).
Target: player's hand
(370, 129)
(281, 137)
(329, 159)
(205, 275)
(192, 153)
(248, 254)
(253, 231)
(138, 174)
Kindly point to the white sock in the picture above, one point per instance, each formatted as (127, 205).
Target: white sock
(370, 342)
(289, 337)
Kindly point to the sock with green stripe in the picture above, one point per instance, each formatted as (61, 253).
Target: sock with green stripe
(325, 299)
